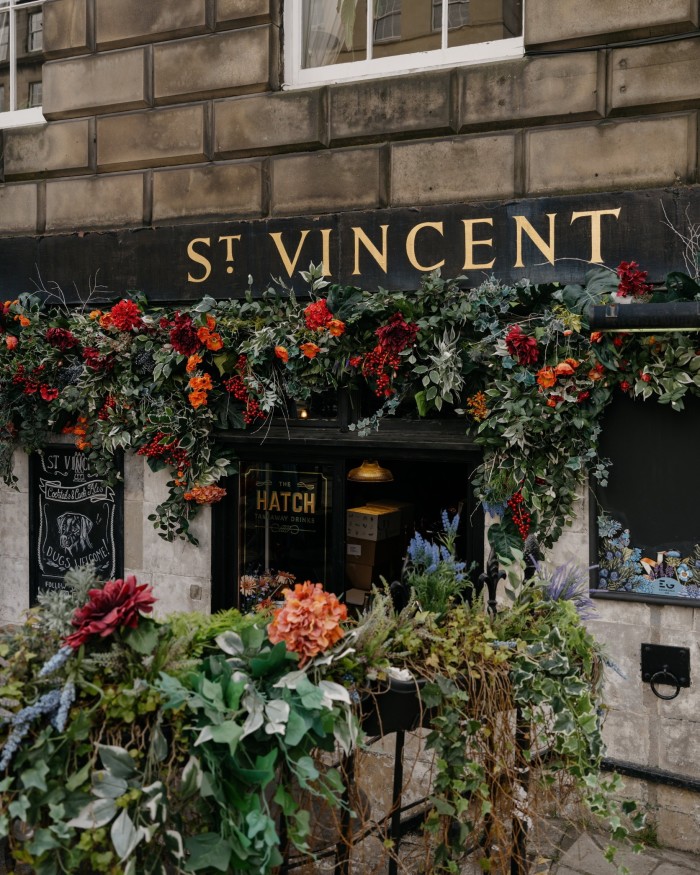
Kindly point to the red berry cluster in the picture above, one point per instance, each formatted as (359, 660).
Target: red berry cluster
(31, 382)
(169, 451)
(520, 514)
(241, 392)
(380, 365)
(110, 402)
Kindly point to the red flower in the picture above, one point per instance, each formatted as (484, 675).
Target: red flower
(645, 378)
(397, 334)
(632, 280)
(183, 335)
(61, 338)
(618, 340)
(596, 336)
(317, 315)
(583, 395)
(115, 606)
(625, 386)
(48, 394)
(522, 346)
(97, 362)
(355, 360)
(125, 315)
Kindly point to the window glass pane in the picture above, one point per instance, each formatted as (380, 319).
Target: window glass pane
(333, 33)
(3, 105)
(458, 13)
(649, 530)
(28, 36)
(285, 513)
(478, 21)
(4, 42)
(403, 27)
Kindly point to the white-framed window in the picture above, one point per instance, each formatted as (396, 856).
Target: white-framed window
(341, 40)
(35, 31)
(21, 59)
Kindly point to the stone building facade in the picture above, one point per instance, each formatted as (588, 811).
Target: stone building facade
(163, 113)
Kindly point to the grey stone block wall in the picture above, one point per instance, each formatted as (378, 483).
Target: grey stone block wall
(195, 85)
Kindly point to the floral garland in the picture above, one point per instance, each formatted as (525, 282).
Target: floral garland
(517, 362)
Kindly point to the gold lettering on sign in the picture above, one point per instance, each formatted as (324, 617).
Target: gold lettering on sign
(296, 502)
(470, 243)
(289, 264)
(411, 245)
(547, 249)
(326, 251)
(595, 217)
(379, 257)
(199, 259)
(229, 250)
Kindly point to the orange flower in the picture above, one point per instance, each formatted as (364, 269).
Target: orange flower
(105, 320)
(596, 373)
(282, 354)
(198, 398)
(192, 363)
(310, 350)
(11, 341)
(211, 322)
(546, 377)
(201, 383)
(82, 445)
(205, 494)
(573, 362)
(308, 622)
(95, 314)
(211, 339)
(476, 406)
(23, 321)
(551, 402)
(336, 327)
(214, 341)
(596, 336)
(563, 369)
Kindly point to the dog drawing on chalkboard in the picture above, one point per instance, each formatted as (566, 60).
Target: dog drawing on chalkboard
(74, 532)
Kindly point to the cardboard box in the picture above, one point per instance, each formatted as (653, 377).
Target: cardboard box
(357, 598)
(363, 551)
(372, 523)
(360, 576)
(405, 509)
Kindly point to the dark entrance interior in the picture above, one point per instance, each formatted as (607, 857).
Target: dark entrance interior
(291, 508)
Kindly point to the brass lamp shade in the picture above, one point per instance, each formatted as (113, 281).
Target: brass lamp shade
(370, 472)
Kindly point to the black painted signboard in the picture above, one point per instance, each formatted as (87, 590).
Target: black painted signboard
(75, 519)
(541, 239)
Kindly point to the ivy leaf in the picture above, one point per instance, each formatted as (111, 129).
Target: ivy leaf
(97, 813)
(106, 786)
(116, 760)
(504, 539)
(205, 851)
(125, 836)
(43, 841)
(35, 776)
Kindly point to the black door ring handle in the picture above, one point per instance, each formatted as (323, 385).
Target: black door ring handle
(664, 677)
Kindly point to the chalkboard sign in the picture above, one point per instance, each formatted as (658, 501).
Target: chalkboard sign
(75, 518)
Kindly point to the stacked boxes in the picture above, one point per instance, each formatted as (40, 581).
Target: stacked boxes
(374, 542)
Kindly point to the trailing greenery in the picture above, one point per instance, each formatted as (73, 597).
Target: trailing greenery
(193, 744)
(517, 362)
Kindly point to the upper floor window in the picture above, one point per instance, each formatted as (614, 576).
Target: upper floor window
(356, 39)
(21, 59)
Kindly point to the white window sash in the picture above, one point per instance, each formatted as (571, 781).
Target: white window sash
(476, 53)
(32, 115)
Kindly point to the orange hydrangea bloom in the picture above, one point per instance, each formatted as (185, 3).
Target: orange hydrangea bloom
(308, 622)
(546, 377)
(198, 398)
(192, 362)
(203, 383)
(310, 350)
(205, 494)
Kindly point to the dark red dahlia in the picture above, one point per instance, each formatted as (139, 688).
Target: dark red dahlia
(97, 362)
(114, 607)
(522, 346)
(632, 280)
(61, 338)
(125, 315)
(397, 334)
(183, 335)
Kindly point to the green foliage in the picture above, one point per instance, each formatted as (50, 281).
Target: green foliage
(133, 391)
